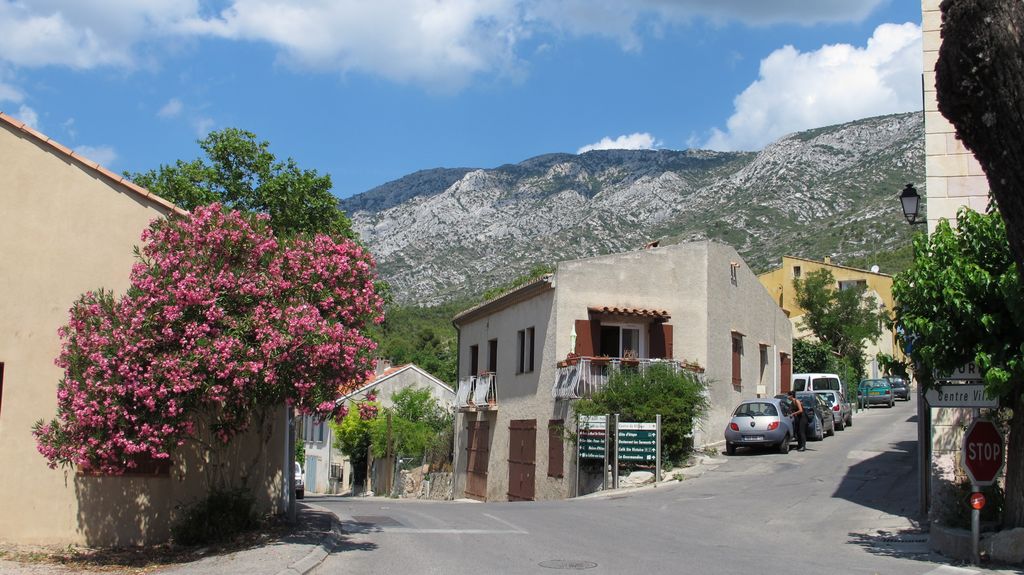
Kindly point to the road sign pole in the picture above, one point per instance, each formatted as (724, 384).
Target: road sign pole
(604, 468)
(615, 472)
(975, 528)
(657, 457)
(579, 447)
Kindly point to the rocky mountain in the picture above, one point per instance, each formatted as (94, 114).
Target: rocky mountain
(444, 233)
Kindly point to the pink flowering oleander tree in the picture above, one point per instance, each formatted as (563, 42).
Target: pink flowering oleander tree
(222, 322)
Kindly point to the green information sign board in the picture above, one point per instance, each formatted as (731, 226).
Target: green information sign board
(592, 437)
(638, 442)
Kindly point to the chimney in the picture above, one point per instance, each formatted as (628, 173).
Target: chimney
(383, 365)
(828, 259)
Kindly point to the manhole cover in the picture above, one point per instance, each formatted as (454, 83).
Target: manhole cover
(568, 564)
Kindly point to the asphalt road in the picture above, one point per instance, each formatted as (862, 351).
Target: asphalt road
(843, 506)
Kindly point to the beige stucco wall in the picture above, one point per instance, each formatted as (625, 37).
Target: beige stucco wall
(693, 282)
(953, 177)
(519, 395)
(65, 229)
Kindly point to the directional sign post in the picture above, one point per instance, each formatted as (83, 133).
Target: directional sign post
(983, 458)
(592, 443)
(960, 395)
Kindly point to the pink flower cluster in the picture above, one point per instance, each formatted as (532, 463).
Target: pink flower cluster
(221, 318)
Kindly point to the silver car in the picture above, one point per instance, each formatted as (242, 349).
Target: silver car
(842, 410)
(759, 422)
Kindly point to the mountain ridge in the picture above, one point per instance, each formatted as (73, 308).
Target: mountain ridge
(446, 233)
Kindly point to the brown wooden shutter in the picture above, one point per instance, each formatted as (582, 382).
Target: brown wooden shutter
(661, 341)
(556, 449)
(585, 337)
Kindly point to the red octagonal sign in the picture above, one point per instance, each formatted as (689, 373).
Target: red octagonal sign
(983, 452)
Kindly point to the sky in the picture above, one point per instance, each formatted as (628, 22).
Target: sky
(371, 90)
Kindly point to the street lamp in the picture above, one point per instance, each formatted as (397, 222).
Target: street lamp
(911, 202)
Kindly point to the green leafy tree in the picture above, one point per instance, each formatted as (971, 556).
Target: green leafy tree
(240, 171)
(962, 301)
(417, 421)
(640, 396)
(843, 319)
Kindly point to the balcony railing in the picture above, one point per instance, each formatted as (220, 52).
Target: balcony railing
(478, 392)
(587, 375)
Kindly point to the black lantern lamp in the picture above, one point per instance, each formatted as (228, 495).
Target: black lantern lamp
(911, 204)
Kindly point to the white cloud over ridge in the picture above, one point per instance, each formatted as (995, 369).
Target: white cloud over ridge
(439, 44)
(103, 155)
(834, 84)
(27, 115)
(635, 141)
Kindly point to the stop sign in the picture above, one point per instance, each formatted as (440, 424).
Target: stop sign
(983, 452)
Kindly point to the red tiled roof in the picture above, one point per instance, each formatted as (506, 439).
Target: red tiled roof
(81, 160)
(631, 311)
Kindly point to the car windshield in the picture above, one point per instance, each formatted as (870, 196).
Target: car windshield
(808, 399)
(830, 398)
(756, 409)
(874, 383)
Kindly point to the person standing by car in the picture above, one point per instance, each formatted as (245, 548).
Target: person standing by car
(800, 419)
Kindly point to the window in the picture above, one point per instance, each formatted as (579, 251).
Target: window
(737, 354)
(525, 341)
(556, 448)
(492, 356)
(764, 361)
(850, 284)
(621, 340)
(313, 430)
(796, 272)
(1, 385)
(474, 360)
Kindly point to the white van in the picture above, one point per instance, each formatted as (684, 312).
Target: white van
(817, 382)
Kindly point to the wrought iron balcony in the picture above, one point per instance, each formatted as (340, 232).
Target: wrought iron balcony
(582, 377)
(478, 392)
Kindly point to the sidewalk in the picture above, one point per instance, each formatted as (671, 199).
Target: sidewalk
(295, 553)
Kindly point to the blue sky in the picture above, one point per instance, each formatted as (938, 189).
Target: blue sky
(370, 90)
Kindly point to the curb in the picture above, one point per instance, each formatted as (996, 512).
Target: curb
(317, 555)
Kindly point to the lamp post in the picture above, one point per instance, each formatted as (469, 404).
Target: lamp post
(911, 202)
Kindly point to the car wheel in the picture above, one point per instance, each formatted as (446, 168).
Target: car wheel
(300, 494)
(849, 421)
(784, 446)
(891, 403)
(730, 448)
(841, 425)
(831, 430)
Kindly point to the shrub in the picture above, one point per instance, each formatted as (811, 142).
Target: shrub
(220, 516)
(641, 395)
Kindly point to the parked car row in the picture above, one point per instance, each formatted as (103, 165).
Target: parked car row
(769, 422)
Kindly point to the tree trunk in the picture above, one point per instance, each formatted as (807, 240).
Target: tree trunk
(980, 89)
(1013, 511)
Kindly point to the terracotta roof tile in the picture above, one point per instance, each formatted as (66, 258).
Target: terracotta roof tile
(631, 311)
(87, 163)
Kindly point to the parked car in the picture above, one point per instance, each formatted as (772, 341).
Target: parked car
(824, 425)
(899, 386)
(874, 391)
(819, 422)
(816, 382)
(760, 422)
(300, 483)
(842, 410)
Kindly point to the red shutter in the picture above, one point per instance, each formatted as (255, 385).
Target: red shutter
(786, 372)
(661, 341)
(587, 333)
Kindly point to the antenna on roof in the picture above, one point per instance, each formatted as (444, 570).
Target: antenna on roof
(874, 269)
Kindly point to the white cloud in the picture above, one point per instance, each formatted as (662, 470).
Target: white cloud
(103, 155)
(635, 141)
(9, 93)
(834, 84)
(171, 109)
(440, 44)
(27, 115)
(202, 125)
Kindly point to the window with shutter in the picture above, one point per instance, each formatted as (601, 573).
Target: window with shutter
(737, 354)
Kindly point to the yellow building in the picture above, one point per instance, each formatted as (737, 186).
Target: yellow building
(779, 283)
